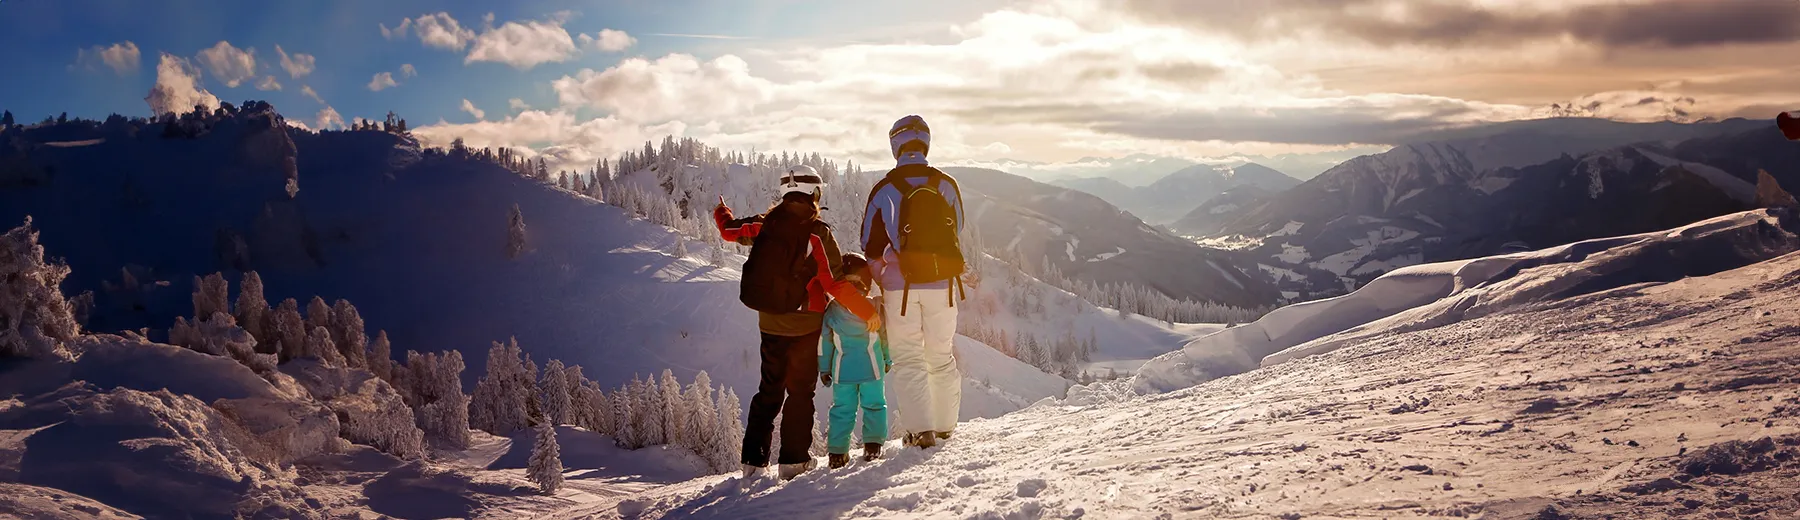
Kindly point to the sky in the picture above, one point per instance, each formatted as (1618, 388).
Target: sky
(1046, 82)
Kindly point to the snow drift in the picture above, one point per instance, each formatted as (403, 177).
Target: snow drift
(1433, 295)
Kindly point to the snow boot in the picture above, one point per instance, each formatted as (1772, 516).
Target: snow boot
(789, 471)
(924, 440)
(838, 460)
(751, 472)
(943, 436)
(871, 451)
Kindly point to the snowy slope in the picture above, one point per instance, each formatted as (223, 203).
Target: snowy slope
(1648, 401)
(416, 242)
(1429, 295)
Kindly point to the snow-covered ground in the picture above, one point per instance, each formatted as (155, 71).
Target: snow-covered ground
(1645, 401)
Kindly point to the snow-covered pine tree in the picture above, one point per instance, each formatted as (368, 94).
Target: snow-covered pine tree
(288, 329)
(253, 309)
(674, 416)
(603, 410)
(580, 408)
(348, 332)
(702, 414)
(211, 294)
(554, 391)
(681, 249)
(320, 347)
(562, 179)
(381, 357)
(499, 404)
(729, 439)
(441, 409)
(534, 402)
(318, 314)
(35, 319)
(545, 467)
(624, 429)
(655, 413)
(515, 233)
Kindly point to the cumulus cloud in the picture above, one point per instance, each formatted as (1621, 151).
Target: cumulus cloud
(1454, 23)
(523, 45)
(329, 118)
(677, 85)
(122, 57)
(609, 40)
(517, 104)
(297, 65)
(382, 81)
(469, 107)
(268, 83)
(440, 31)
(231, 65)
(407, 70)
(177, 88)
(307, 90)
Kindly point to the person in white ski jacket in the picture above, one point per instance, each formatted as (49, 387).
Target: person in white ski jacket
(925, 385)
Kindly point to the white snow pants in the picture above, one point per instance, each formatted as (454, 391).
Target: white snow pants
(925, 387)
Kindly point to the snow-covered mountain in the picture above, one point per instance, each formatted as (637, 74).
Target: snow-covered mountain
(1178, 193)
(1442, 200)
(1088, 239)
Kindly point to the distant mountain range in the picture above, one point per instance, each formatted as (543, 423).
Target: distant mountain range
(1516, 186)
(1087, 238)
(1174, 195)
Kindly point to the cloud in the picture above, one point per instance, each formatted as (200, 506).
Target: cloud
(382, 81)
(677, 85)
(122, 57)
(470, 108)
(297, 124)
(1459, 23)
(398, 31)
(177, 88)
(523, 45)
(297, 65)
(517, 104)
(614, 41)
(268, 83)
(441, 31)
(329, 118)
(407, 70)
(231, 65)
(307, 90)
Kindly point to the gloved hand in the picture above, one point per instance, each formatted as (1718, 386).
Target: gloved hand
(720, 212)
(825, 377)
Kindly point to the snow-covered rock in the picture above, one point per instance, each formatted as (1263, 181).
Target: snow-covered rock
(149, 453)
(368, 409)
(33, 502)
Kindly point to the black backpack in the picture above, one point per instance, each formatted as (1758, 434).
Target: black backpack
(779, 268)
(929, 248)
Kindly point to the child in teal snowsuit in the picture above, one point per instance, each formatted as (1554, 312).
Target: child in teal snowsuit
(852, 361)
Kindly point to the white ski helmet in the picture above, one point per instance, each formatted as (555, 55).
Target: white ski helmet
(802, 179)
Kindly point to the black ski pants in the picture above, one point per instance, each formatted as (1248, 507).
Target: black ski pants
(790, 369)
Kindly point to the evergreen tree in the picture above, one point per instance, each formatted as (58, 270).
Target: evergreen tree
(318, 314)
(319, 346)
(252, 310)
(381, 357)
(499, 404)
(515, 236)
(347, 331)
(624, 429)
(545, 467)
(6, 119)
(728, 442)
(651, 420)
(211, 294)
(288, 329)
(554, 388)
(702, 414)
(674, 414)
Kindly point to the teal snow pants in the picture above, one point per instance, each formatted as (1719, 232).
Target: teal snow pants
(846, 398)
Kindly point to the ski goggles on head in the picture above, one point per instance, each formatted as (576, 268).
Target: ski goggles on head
(857, 279)
(791, 180)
